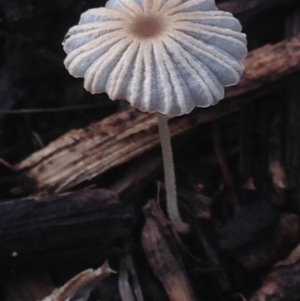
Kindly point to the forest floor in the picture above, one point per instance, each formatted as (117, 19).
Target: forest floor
(81, 179)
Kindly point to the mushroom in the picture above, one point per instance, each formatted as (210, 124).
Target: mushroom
(162, 56)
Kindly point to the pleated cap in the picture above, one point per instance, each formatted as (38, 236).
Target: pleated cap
(161, 56)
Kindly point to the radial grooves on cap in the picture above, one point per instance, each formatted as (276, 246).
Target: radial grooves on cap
(196, 52)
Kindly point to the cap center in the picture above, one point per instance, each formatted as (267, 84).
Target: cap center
(147, 27)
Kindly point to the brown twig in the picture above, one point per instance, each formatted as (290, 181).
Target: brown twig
(7, 165)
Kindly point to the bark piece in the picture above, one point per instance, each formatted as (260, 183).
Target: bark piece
(82, 154)
(283, 282)
(163, 255)
(83, 226)
(81, 286)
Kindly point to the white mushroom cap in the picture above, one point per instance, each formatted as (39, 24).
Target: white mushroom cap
(161, 56)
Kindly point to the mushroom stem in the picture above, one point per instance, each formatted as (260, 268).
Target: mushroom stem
(170, 181)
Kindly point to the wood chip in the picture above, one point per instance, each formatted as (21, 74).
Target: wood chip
(80, 287)
(283, 281)
(163, 255)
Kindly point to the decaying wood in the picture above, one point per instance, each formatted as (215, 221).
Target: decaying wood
(81, 286)
(85, 225)
(283, 282)
(81, 155)
(163, 255)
